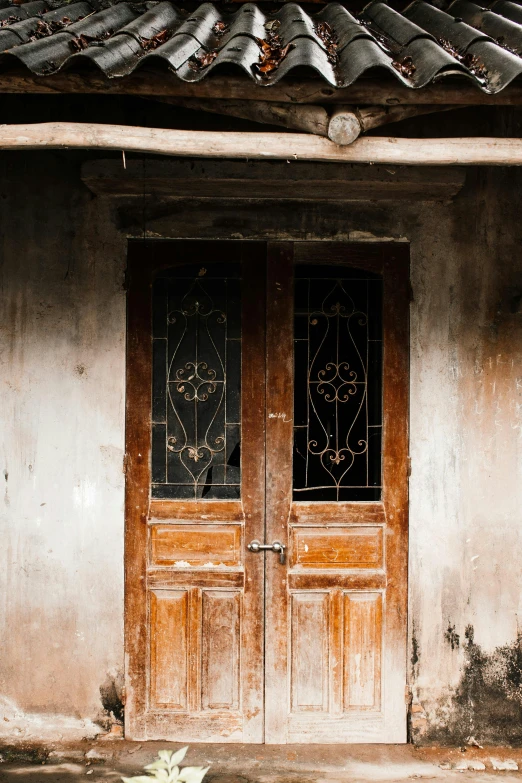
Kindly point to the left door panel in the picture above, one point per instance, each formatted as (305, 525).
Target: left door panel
(194, 491)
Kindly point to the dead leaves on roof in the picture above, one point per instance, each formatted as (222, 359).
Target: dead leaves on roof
(82, 41)
(406, 67)
(202, 59)
(220, 28)
(9, 20)
(329, 39)
(149, 44)
(45, 28)
(470, 61)
(272, 50)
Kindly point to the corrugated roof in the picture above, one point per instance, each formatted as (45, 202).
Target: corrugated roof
(417, 46)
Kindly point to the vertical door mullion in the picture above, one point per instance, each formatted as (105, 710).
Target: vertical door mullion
(279, 430)
(253, 485)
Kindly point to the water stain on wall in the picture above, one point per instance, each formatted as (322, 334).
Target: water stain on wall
(111, 694)
(487, 703)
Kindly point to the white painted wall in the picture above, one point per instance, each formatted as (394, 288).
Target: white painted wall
(62, 400)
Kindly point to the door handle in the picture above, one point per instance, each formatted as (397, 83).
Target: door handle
(277, 546)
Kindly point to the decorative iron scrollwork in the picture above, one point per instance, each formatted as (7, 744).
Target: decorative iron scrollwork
(199, 435)
(331, 435)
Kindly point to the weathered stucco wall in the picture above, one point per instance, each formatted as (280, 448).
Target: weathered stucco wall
(61, 395)
(62, 401)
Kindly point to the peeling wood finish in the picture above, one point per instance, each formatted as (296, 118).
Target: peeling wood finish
(336, 622)
(194, 615)
(329, 624)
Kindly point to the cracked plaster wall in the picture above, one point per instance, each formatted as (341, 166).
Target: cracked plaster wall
(62, 398)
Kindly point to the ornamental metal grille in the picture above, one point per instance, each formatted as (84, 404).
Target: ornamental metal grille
(196, 383)
(338, 384)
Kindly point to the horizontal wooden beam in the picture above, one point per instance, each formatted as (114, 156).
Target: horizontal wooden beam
(263, 146)
(275, 180)
(146, 82)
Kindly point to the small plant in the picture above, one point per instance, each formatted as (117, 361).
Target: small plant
(166, 770)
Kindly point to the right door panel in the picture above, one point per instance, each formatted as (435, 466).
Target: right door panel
(337, 383)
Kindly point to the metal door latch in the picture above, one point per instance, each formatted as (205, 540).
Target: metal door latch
(277, 546)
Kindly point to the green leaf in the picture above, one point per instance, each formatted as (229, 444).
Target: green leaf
(138, 779)
(192, 774)
(166, 755)
(162, 775)
(158, 764)
(176, 758)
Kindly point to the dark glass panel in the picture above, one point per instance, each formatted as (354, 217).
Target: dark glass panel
(169, 491)
(374, 456)
(196, 382)
(234, 309)
(159, 309)
(233, 386)
(223, 492)
(374, 383)
(158, 452)
(233, 455)
(159, 389)
(333, 272)
(301, 383)
(375, 310)
(338, 383)
(212, 271)
(301, 296)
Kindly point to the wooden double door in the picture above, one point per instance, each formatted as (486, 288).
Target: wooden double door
(266, 407)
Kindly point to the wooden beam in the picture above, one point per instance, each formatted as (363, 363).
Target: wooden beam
(185, 178)
(302, 117)
(376, 116)
(343, 126)
(347, 123)
(262, 146)
(148, 82)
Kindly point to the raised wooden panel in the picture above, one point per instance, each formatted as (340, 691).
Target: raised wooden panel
(195, 545)
(168, 648)
(196, 510)
(168, 578)
(358, 579)
(220, 650)
(362, 650)
(354, 547)
(309, 652)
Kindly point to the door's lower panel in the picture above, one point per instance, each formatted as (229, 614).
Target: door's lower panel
(357, 727)
(185, 727)
(336, 644)
(194, 649)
